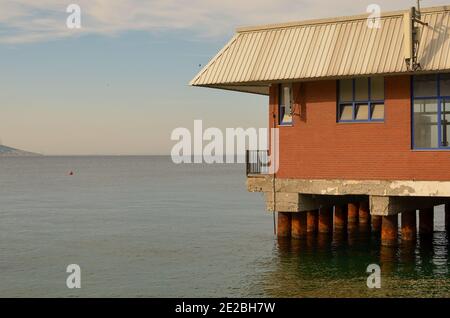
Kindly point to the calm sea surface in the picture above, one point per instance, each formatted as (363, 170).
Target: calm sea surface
(144, 227)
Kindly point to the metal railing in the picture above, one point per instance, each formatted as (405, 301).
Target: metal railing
(257, 162)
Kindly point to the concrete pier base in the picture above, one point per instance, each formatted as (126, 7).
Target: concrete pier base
(284, 224)
(340, 218)
(426, 221)
(409, 226)
(312, 221)
(389, 230)
(353, 215)
(376, 223)
(298, 225)
(326, 220)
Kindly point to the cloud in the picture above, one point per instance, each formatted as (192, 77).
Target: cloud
(24, 21)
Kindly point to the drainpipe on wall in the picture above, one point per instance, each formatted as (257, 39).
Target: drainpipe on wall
(274, 116)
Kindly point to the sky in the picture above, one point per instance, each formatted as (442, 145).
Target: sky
(119, 84)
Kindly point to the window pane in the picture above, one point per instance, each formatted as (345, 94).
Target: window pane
(346, 90)
(425, 124)
(377, 88)
(286, 104)
(286, 96)
(445, 122)
(362, 89)
(445, 85)
(425, 85)
(362, 112)
(377, 111)
(346, 112)
(287, 118)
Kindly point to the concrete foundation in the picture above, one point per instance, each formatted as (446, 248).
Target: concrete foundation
(326, 220)
(426, 221)
(409, 226)
(284, 224)
(312, 220)
(385, 197)
(389, 230)
(397, 188)
(298, 225)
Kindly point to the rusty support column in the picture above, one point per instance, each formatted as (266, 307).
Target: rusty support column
(298, 225)
(340, 217)
(389, 230)
(353, 215)
(364, 213)
(409, 226)
(326, 220)
(284, 224)
(426, 221)
(312, 221)
(376, 223)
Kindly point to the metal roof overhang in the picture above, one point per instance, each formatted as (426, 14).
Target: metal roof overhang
(325, 49)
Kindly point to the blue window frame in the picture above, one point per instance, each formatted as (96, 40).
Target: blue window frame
(431, 112)
(361, 100)
(285, 102)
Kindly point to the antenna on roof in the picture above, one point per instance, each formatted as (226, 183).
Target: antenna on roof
(418, 16)
(412, 36)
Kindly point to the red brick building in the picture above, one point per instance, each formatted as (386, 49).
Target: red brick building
(363, 112)
(317, 145)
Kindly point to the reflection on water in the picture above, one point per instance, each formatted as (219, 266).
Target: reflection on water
(335, 266)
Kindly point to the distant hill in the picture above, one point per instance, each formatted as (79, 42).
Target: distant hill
(6, 151)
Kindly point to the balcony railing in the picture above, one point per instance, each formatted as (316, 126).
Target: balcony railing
(257, 162)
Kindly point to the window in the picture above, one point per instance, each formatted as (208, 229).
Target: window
(425, 123)
(285, 104)
(362, 112)
(361, 100)
(431, 111)
(346, 112)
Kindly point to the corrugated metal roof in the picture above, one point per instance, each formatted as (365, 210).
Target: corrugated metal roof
(320, 49)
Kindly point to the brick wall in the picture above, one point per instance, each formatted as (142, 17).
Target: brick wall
(317, 147)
